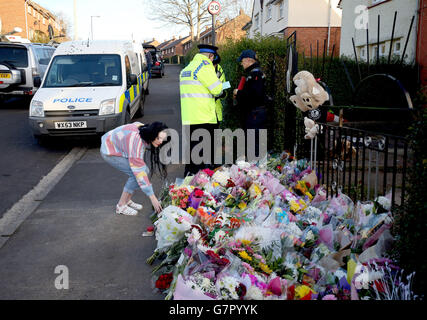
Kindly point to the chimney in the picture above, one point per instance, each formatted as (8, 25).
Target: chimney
(154, 39)
(241, 11)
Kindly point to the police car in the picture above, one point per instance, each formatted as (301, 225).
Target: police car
(90, 88)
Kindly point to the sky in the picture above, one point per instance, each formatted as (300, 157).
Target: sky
(119, 20)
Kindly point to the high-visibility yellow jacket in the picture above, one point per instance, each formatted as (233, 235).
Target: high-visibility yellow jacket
(221, 75)
(199, 86)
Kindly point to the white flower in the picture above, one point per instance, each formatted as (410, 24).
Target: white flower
(309, 236)
(227, 286)
(253, 174)
(362, 281)
(220, 235)
(206, 283)
(313, 212)
(243, 164)
(384, 202)
(221, 177)
(254, 293)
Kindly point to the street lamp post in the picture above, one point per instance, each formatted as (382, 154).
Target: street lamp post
(91, 24)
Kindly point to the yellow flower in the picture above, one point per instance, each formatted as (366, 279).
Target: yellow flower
(265, 268)
(242, 205)
(302, 204)
(244, 255)
(294, 206)
(309, 195)
(245, 242)
(302, 291)
(191, 211)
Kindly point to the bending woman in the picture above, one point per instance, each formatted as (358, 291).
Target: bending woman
(123, 148)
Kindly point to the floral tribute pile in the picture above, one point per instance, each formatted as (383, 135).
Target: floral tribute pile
(254, 232)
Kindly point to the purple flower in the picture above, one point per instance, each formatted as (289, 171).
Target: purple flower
(188, 251)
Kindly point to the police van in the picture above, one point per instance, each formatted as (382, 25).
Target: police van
(90, 88)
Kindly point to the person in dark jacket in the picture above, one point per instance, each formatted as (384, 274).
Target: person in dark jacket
(149, 59)
(251, 95)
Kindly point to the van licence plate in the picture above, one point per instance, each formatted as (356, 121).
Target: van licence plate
(71, 125)
(5, 75)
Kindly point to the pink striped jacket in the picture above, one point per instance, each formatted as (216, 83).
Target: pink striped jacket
(125, 141)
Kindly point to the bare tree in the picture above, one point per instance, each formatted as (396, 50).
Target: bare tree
(178, 12)
(64, 24)
(193, 13)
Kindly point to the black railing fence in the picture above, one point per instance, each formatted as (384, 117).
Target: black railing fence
(359, 163)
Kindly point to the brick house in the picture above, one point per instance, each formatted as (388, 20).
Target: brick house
(174, 48)
(228, 29)
(32, 18)
(313, 20)
(153, 42)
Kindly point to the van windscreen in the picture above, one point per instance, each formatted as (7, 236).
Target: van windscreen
(84, 70)
(15, 56)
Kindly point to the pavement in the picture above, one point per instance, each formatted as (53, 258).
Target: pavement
(75, 226)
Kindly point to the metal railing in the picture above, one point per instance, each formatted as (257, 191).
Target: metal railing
(359, 163)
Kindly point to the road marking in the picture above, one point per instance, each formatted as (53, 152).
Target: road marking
(13, 218)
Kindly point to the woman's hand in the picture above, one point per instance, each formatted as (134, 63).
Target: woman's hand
(156, 204)
(235, 93)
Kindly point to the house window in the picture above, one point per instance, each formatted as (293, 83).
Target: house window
(382, 50)
(281, 9)
(363, 52)
(257, 21)
(397, 47)
(29, 9)
(268, 12)
(44, 21)
(34, 13)
(374, 52)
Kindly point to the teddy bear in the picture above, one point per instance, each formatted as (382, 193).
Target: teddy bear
(309, 95)
(311, 128)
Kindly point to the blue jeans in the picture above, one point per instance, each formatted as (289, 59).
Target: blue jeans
(122, 164)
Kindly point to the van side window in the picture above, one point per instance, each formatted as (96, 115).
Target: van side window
(143, 64)
(127, 65)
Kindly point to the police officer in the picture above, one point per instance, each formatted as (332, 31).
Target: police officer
(252, 99)
(221, 76)
(199, 85)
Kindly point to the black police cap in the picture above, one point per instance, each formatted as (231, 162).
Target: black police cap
(207, 48)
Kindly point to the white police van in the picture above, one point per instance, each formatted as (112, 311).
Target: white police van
(90, 88)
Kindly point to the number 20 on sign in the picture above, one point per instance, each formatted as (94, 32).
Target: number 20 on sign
(214, 7)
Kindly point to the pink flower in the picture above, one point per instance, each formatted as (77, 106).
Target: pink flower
(329, 297)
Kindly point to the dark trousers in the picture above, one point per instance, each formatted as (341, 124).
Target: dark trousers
(192, 168)
(256, 119)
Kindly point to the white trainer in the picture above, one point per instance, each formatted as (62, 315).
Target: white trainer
(125, 210)
(134, 205)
